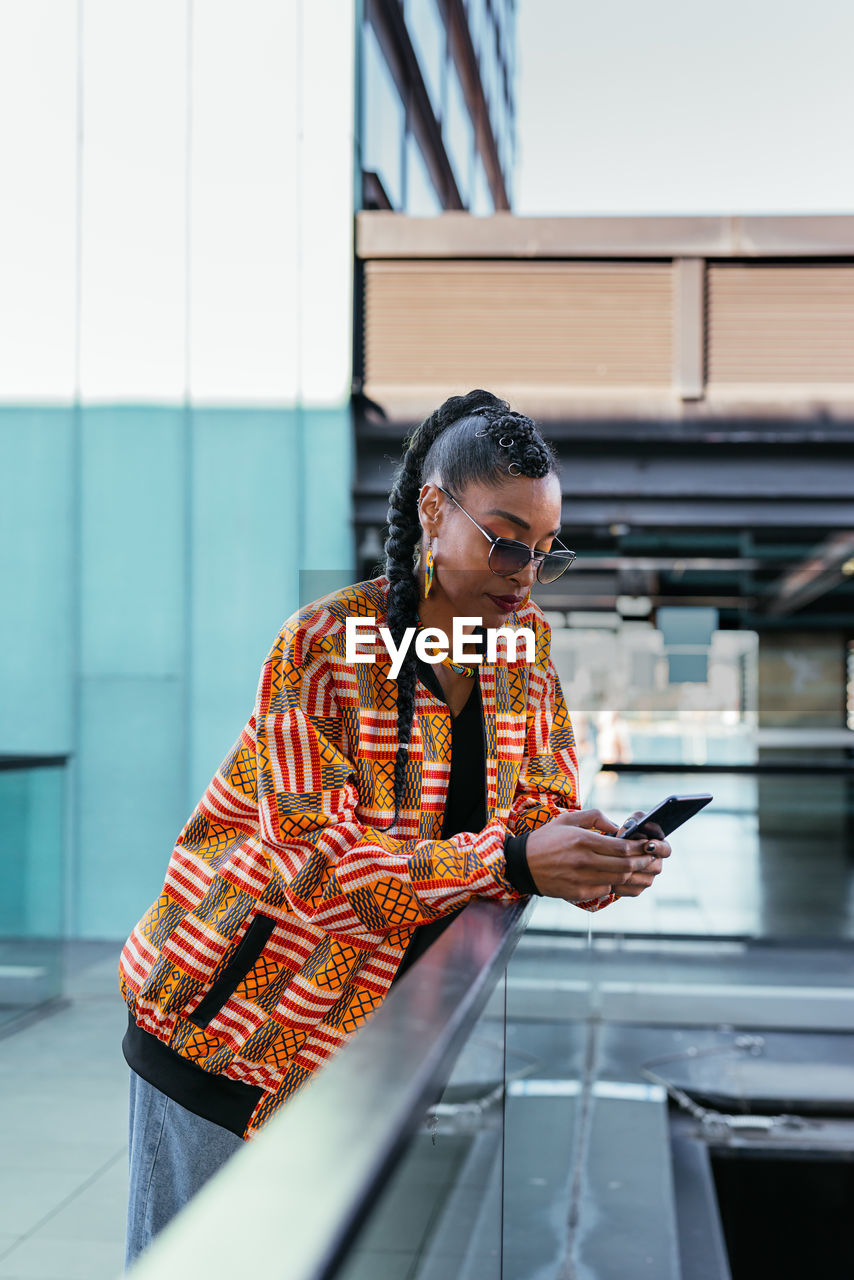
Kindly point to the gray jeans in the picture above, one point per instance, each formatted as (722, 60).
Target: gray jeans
(171, 1154)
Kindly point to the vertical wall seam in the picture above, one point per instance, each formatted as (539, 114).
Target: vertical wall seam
(299, 416)
(71, 876)
(357, 282)
(186, 736)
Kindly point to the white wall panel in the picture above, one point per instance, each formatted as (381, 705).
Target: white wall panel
(133, 200)
(247, 112)
(326, 200)
(244, 236)
(38, 218)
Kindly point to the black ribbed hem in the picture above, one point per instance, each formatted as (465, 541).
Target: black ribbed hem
(225, 1102)
(516, 857)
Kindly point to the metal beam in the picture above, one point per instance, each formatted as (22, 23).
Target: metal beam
(386, 17)
(506, 235)
(579, 601)
(831, 564)
(660, 512)
(692, 563)
(621, 476)
(467, 62)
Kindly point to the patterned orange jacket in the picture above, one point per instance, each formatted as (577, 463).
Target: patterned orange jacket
(285, 912)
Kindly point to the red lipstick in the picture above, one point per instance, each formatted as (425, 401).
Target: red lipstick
(508, 604)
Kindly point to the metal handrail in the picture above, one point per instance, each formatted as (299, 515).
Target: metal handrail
(20, 762)
(294, 1198)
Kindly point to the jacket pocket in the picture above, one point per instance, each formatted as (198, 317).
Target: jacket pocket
(245, 956)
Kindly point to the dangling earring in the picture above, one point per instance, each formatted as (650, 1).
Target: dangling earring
(428, 571)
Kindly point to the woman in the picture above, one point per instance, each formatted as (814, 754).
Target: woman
(357, 813)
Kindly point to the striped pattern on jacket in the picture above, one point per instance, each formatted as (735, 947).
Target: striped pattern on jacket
(285, 910)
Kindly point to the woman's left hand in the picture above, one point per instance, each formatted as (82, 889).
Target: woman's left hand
(640, 880)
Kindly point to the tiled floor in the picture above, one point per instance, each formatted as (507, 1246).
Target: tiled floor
(63, 1117)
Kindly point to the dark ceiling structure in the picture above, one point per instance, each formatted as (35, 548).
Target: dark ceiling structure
(702, 402)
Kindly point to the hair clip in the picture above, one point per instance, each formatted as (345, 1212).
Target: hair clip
(518, 470)
(506, 442)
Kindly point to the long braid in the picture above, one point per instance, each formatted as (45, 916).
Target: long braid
(404, 534)
(473, 450)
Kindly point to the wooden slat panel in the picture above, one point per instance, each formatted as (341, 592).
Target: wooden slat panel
(781, 324)
(543, 325)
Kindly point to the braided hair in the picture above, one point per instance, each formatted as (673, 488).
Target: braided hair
(462, 442)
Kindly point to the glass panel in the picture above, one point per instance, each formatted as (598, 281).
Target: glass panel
(508, 42)
(427, 33)
(746, 866)
(478, 24)
(440, 1214)
(625, 708)
(31, 872)
(421, 197)
(481, 196)
(607, 1011)
(384, 120)
(459, 133)
(547, 1046)
(497, 117)
(489, 68)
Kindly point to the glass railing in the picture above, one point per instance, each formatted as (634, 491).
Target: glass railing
(690, 1050)
(391, 1161)
(769, 859)
(32, 874)
(547, 1091)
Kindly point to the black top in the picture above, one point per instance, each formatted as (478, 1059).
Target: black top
(465, 806)
(230, 1103)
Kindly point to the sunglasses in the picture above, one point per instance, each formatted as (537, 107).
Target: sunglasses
(507, 556)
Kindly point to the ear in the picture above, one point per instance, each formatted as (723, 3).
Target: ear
(430, 504)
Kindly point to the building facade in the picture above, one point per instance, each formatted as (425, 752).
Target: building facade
(437, 105)
(176, 355)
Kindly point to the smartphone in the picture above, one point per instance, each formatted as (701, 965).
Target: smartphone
(665, 817)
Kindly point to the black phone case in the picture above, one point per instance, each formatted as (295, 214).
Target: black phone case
(668, 815)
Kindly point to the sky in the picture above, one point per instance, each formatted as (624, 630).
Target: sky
(678, 107)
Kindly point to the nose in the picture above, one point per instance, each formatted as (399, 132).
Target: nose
(525, 578)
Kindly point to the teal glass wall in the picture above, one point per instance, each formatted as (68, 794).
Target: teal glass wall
(32, 820)
(150, 555)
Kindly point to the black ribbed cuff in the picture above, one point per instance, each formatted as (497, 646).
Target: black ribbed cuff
(517, 863)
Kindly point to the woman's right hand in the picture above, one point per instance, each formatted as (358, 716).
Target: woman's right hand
(569, 859)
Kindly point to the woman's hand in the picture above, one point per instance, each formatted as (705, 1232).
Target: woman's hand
(571, 858)
(640, 880)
